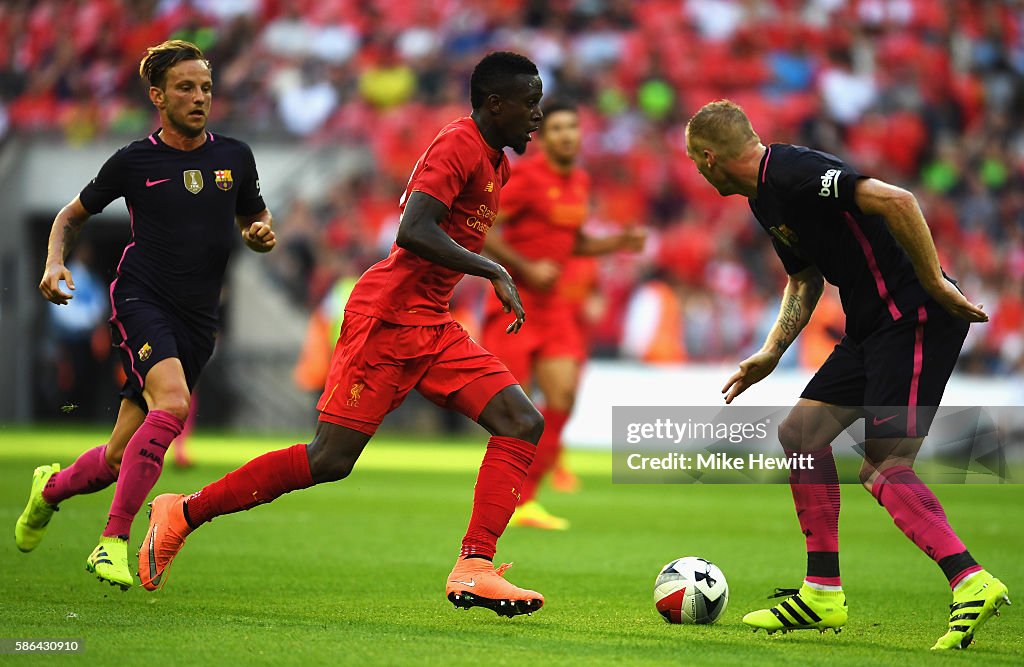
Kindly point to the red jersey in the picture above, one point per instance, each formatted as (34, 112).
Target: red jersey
(543, 210)
(461, 171)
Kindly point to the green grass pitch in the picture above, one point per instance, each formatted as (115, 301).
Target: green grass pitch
(353, 572)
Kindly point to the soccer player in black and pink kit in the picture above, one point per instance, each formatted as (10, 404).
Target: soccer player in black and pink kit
(905, 324)
(188, 192)
(398, 334)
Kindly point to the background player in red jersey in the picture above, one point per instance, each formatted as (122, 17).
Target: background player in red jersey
(905, 324)
(398, 334)
(185, 190)
(541, 229)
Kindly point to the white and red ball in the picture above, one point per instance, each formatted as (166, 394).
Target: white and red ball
(691, 590)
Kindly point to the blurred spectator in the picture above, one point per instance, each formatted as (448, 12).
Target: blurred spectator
(925, 93)
(306, 97)
(847, 94)
(79, 342)
(388, 82)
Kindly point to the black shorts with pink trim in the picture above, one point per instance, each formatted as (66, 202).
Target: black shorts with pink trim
(897, 374)
(146, 333)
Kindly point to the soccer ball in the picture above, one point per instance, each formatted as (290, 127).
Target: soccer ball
(691, 590)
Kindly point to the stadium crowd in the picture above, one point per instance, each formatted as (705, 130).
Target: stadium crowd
(925, 93)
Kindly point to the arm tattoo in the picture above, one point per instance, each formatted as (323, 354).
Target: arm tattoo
(789, 321)
(70, 236)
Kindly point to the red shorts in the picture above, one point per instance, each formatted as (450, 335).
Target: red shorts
(548, 333)
(376, 363)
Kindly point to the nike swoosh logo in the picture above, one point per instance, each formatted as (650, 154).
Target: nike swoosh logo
(878, 422)
(471, 583)
(150, 183)
(153, 576)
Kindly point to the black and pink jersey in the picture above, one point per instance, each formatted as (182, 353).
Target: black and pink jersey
(182, 206)
(805, 201)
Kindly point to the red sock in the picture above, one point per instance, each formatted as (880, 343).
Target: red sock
(140, 469)
(919, 514)
(816, 497)
(257, 482)
(548, 448)
(498, 487)
(88, 474)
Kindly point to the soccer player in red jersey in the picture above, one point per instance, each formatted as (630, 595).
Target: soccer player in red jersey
(541, 230)
(398, 334)
(905, 324)
(186, 190)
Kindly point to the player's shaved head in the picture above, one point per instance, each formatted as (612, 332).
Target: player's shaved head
(721, 126)
(162, 57)
(496, 75)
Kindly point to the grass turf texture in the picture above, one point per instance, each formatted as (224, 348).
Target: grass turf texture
(354, 572)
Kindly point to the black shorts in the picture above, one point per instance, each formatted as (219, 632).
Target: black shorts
(146, 333)
(905, 364)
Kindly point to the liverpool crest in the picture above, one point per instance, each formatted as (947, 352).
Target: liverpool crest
(223, 178)
(354, 394)
(193, 181)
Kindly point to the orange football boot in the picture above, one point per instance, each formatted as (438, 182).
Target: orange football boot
(164, 539)
(563, 479)
(475, 583)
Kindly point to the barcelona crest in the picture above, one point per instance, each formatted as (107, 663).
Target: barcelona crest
(223, 179)
(785, 234)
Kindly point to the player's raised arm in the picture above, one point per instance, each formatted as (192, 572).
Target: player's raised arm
(257, 230)
(63, 234)
(420, 233)
(905, 220)
(798, 301)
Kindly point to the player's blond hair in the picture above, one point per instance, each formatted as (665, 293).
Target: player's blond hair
(162, 57)
(723, 127)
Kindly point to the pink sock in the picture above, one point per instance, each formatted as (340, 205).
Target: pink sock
(88, 474)
(919, 514)
(816, 497)
(140, 469)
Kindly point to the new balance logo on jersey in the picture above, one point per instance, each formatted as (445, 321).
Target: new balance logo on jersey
(489, 187)
(830, 183)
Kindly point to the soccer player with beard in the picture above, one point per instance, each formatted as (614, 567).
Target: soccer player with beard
(905, 324)
(186, 190)
(398, 334)
(539, 233)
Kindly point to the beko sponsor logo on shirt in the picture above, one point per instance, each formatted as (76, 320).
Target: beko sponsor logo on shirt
(830, 183)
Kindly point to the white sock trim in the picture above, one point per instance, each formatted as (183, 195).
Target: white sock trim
(963, 581)
(822, 587)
